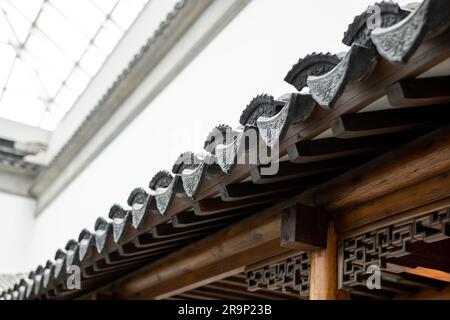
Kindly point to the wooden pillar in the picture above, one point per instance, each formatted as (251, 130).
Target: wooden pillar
(324, 271)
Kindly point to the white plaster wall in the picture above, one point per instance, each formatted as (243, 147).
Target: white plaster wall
(251, 56)
(16, 228)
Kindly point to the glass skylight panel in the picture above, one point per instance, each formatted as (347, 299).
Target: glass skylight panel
(47, 80)
(64, 99)
(78, 80)
(3, 37)
(105, 6)
(7, 57)
(49, 55)
(21, 80)
(49, 120)
(108, 37)
(92, 60)
(28, 8)
(125, 12)
(19, 24)
(83, 15)
(22, 108)
(62, 34)
(51, 49)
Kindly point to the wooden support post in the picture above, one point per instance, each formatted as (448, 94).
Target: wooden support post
(324, 271)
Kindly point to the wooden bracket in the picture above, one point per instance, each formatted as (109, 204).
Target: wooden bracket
(304, 228)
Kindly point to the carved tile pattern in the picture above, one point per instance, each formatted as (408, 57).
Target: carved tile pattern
(118, 226)
(357, 64)
(192, 180)
(358, 32)
(227, 154)
(315, 64)
(37, 283)
(46, 277)
(324, 88)
(270, 129)
(138, 201)
(84, 246)
(58, 267)
(101, 232)
(396, 43)
(163, 197)
(137, 215)
(29, 290)
(262, 106)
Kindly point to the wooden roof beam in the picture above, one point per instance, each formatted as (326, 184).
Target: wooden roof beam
(213, 258)
(335, 148)
(443, 294)
(420, 271)
(211, 206)
(389, 121)
(428, 255)
(288, 170)
(408, 202)
(247, 190)
(416, 161)
(419, 91)
(188, 219)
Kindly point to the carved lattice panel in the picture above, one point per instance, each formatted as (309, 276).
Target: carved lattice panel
(288, 275)
(374, 247)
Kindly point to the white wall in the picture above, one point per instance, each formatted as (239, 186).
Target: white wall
(251, 56)
(16, 228)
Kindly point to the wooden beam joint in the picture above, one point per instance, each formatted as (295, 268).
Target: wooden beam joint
(304, 228)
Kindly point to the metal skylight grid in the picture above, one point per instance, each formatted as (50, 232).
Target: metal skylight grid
(51, 49)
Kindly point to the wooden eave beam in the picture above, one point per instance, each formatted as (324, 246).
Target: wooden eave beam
(408, 202)
(409, 181)
(416, 161)
(216, 257)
